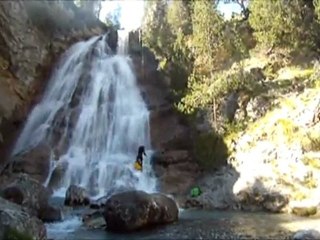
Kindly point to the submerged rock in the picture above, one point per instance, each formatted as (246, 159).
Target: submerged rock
(134, 210)
(94, 220)
(50, 214)
(15, 222)
(76, 196)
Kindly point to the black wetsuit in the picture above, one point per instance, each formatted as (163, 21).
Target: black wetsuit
(141, 152)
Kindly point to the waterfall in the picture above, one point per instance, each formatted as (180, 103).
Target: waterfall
(94, 117)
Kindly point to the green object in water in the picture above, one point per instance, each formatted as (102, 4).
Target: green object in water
(195, 192)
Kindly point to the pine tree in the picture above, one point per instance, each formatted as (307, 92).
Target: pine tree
(283, 23)
(208, 27)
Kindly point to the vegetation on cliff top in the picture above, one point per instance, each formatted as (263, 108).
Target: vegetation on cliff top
(224, 66)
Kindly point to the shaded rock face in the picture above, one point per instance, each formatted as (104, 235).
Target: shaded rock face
(57, 175)
(170, 133)
(134, 210)
(25, 191)
(33, 35)
(50, 214)
(217, 191)
(176, 171)
(76, 196)
(36, 163)
(14, 218)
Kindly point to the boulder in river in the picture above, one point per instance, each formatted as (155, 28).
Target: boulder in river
(35, 162)
(101, 202)
(134, 210)
(16, 223)
(26, 191)
(76, 196)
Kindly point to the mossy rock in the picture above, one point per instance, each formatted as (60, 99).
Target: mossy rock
(13, 234)
(304, 211)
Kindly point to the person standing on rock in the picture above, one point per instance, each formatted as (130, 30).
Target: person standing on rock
(139, 158)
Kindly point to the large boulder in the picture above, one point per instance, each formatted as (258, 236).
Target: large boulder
(26, 191)
(101, 202)
(76, 196)
(16, 223)
(134, 210)
(253, 195)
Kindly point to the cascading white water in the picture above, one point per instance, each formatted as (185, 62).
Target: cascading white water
(92, 110)
(123, 40)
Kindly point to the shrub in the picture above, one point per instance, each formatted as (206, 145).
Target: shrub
(210, 150)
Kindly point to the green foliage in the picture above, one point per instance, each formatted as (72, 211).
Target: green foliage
(283, 23)
(179, 17)
(218, 86)
(166, 30)
(208, 46)
(210, 150)
(157, 35)
(13, 234)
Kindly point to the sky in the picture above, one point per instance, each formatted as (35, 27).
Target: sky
(132, 11)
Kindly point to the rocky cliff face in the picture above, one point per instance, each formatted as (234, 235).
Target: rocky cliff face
(274, 163)
(171, 137)
(32, 35)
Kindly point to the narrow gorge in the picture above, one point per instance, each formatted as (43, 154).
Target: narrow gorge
(79, 96)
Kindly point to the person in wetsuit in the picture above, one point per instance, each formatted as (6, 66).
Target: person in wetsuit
(139, 158)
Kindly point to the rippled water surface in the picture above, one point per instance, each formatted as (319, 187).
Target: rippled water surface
(195, 224)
